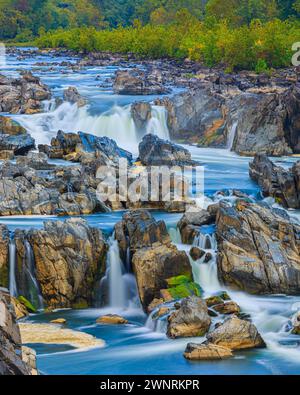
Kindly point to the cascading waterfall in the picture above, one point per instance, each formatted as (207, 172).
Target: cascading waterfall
(116, 123)
(122, 285)
(231, 136)
(30, 268)
(175, 235)
(12, 268)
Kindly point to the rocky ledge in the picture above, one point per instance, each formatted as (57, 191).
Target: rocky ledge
(23, 95)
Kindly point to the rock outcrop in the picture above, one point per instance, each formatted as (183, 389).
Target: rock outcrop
(72, 96)
(236, 334)
(141, 114)
(17, 145)
(190, 320)
(23, 95)
(4, 256)
(191, 222)
(70, 261)
(10, 127)
(11, 362)
(137, 82)
(153, 151)
(282, 184)
(258, 249)
(153, 258)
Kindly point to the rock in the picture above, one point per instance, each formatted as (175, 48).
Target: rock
(227, 308)
(20, 309)
(296, 324)
(141, 114)
(190, 320)
(196, 116)
(196, 253)
(258, 250)
(112, 319)
(136, 82)
(213, 300)
(59, 321)
(29, 357)
(163, 311)
(72, 255)
(10, 127)
(55, 334)
(276, 181)
(236, 334)
(4, 256)
(24, 95)
(19, 145)
(35, 160)
(6, 155)
(11, 362)
(72, 96)
(206, 352)
(154, 304)
(191, 222)
(154, 151)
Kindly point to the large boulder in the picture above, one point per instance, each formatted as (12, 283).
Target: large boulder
(141, 114)
(4, 256)
(282, 184)
(24, 95)
(70, 260)
(137, 82)
(19, 145)
(190, 320)
(10, 126)
(154, 151)
(206, 352)
(258, 249)
(236, 334)
(191, 222)
(11, 362)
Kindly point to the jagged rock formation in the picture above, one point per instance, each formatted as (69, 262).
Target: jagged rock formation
(70, 261)
(24, 95)
(259, 249)
(153, 151)
(282, 184)
(190, 224)
(13, 359)
(154, 259)
(190, 320)
(72, 96)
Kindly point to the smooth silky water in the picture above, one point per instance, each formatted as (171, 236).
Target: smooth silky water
(141, 347)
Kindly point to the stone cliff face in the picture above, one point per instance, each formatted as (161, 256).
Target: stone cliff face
(70, 260)
(14, 360)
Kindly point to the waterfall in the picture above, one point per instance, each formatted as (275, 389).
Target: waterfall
(12, 268)
(116, 124)
(175, 235)
(206, 273)
(122, 284)
(30, 268)
(231, 136)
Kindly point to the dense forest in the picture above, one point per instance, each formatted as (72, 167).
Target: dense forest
(253, 34)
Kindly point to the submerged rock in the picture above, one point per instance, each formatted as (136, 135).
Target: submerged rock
(236, 334)
(190, 320)
(71, 254)
(153, 151)
(206, 352)
(258, 249)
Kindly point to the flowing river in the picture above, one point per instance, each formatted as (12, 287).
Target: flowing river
(141, 347)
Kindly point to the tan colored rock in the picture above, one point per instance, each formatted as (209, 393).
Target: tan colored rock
(296, 324)
(55, 334)
(20, 309)
(59, 321)
(163, 311)
(227, 308)
(29, 357)
(112, 319)
(236, 334)
(190, 320)
(154, 304)
(206, 352)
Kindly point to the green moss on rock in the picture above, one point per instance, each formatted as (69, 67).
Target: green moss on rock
(27, 304)
(182, 286)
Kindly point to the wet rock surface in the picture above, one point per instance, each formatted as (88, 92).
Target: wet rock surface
(190, 320)
(258, 249)
(206, 352)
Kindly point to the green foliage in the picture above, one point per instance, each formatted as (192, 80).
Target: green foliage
(182, 286)
(259, 46)
(27, 304)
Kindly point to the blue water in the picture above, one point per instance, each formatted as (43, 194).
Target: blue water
(134, 348)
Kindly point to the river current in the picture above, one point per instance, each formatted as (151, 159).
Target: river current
(141, 347)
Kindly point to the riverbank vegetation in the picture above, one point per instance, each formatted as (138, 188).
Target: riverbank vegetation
(239, 34)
